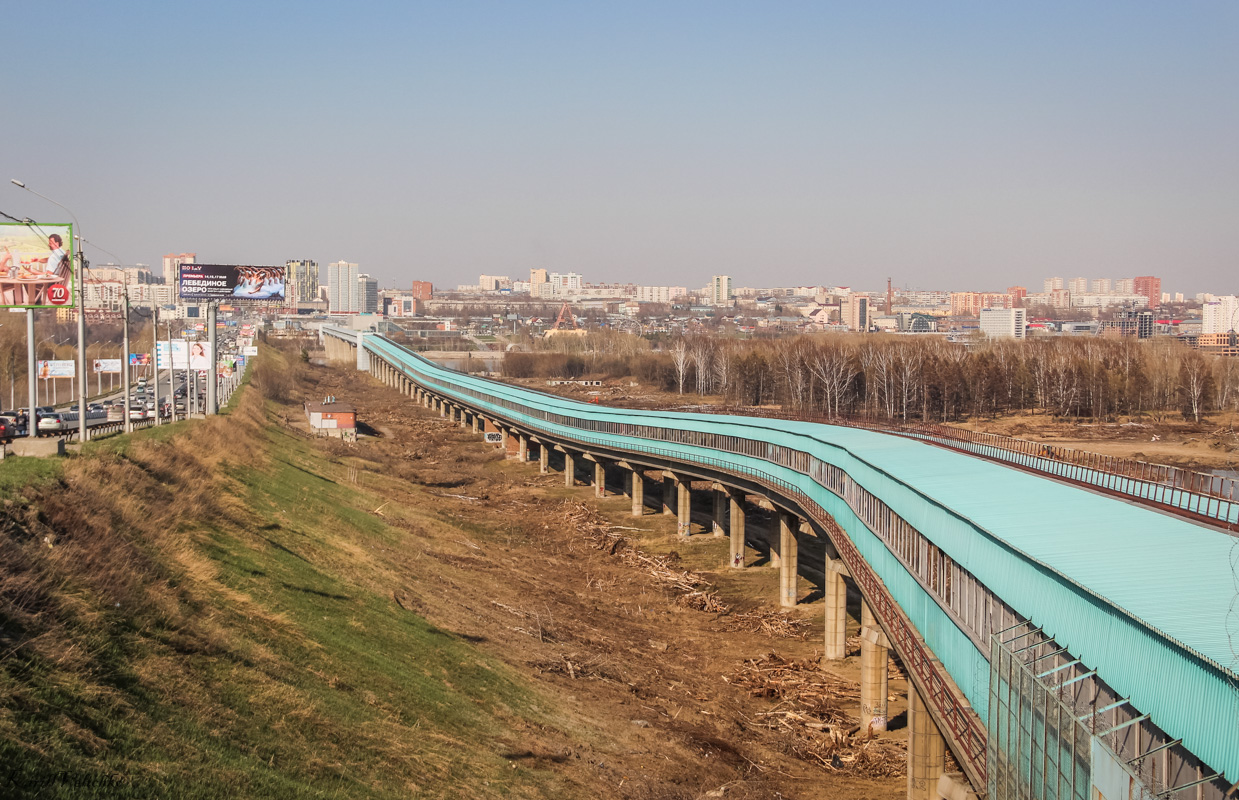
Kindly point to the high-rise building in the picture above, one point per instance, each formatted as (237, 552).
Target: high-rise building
(1125, 286)
(1003, 323)
(536, 276)
(342, 288)
(1053, 285)
(854, 312)
(303, 275)
(1018, 293)
(172, 266)
(422, 290)
(1150, 287)
(1078, 285)
(1101, 286)
(493, 283)
(720, 290)
(367, 294)
(1220, 315)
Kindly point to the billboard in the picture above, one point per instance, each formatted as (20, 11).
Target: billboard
(108, 364)
(139, 359)
(180, 353)
(197, 356)
(58, 369)
(36, 265)
(236, 284)
(249, 351)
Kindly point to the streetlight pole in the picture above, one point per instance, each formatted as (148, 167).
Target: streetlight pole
(81, 311)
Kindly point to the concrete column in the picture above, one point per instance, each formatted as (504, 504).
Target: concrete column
(873, 675)
(720, 510)
(442, 409)
(475, 423)
(638, 493)
(464, 417)
(522, 445)
(836, 600)
(600, 479)
(669, 497)
(544, 458)
(569, 469)
(735, 525)
(685, 508)
(503, 445)
(788, 561)
(926, 750)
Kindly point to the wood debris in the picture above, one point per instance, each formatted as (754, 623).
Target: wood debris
(773, 624)
(809, 708)
(693, 590)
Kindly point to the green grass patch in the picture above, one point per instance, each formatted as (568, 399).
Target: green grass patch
(261, 654)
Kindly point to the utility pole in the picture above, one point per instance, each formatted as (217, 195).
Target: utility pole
(124, 361)
(32, 422)
(155, 354)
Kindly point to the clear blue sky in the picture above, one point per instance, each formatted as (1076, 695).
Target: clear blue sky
(946, 144)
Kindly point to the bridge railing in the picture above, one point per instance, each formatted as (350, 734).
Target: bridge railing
(1213, 497)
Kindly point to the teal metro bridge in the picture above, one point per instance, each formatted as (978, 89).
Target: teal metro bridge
(1069, 633)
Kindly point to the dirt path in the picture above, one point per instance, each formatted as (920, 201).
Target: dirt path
(655, 697)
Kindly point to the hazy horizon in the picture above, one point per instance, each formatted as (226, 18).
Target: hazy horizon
(948, 146)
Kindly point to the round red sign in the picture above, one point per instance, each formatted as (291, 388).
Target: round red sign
(58, 294)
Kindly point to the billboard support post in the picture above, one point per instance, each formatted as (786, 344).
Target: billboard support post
(32, 423)
(212, 387)
(125, 380)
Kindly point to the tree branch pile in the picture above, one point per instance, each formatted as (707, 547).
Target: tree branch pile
(691, 590)
(809, 708)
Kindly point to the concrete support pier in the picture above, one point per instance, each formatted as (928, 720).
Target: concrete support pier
(719, 517)
(873, 676)
(600, 479)
(836, 599)
(544, 458)
(926, 750)
(637, 492)
(788, 561)
(684, 507)
(669, 496)
(569, 470)
(522, 445)
(735, 526)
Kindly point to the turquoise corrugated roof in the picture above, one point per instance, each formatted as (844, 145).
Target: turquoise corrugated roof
(1141, 596)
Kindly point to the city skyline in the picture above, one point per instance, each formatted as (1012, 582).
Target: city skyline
(958, 146)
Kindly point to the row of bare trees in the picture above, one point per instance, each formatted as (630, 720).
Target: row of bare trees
(932, 379)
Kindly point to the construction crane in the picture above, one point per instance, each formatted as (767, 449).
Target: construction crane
(566, 323)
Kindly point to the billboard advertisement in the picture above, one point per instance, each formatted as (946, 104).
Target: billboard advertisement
(249, 351)
(236, 284)
(58, 369)
(198, 356)
(36, 265)
(139, 359)
(180, 353)
(108, 364)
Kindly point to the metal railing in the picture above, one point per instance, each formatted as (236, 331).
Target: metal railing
(1201, 494)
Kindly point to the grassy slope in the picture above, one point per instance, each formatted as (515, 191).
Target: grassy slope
(201, 615)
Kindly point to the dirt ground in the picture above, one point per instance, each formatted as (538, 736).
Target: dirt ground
(1212, 444)
(677, 676)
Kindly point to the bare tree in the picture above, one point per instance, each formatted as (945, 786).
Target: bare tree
(679, 359)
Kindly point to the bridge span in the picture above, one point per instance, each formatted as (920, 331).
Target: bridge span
(1062, 642)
